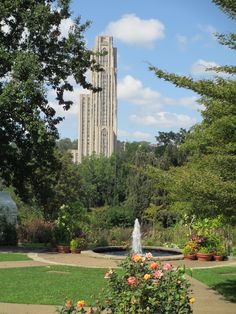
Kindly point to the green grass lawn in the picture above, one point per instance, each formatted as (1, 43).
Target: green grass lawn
(222, 279)
(6, 257)
(50, 284)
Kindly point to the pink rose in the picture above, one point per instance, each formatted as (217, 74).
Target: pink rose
(158, 274)
(167, 266)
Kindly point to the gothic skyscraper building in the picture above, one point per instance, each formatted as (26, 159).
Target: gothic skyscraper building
(98, 111)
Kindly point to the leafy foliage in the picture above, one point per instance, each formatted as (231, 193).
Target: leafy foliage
(35, 56)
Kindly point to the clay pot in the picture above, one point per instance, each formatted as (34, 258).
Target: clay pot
(218, 258)
(76, 251)
(204, 256)
(63, 249)
(190, 256)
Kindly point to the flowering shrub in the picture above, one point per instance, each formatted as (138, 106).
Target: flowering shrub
(145, 287)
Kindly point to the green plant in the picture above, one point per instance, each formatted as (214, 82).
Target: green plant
(206, 249)
(220, 250)
(147, 288)
(190, 247)
(67, 223)
(7, 232)
(73, 244)
(77, 243)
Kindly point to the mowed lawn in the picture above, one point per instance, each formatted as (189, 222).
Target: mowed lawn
(222, 279)
(50, 284)
(8, 257)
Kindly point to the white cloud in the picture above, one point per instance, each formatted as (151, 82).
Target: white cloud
(188, 102)
(200, 67)
(130, 29)
(163, 120)
(136, 135)
(133, 91)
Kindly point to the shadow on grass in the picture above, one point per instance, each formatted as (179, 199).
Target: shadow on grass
(227, 289)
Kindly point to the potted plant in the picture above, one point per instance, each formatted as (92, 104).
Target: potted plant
(189, 250)
(74, 246)
(205, 253)
(219, 253)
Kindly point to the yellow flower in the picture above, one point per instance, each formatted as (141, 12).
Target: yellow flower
(191, 300)
(81, 303)
(147, 277)
(136, 258)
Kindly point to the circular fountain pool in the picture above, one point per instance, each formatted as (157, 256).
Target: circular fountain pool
(119, 252)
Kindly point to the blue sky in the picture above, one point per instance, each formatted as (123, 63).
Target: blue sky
(174, 35)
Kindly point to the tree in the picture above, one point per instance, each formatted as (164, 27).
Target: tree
(206, 185)
(35, 57)
(65, 144)
(168, 149)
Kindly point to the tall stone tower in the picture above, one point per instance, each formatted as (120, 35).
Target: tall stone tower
(98, 111)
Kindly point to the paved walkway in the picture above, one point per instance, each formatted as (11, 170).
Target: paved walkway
(207, 300)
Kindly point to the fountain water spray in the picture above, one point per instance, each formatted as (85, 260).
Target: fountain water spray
(136, 238)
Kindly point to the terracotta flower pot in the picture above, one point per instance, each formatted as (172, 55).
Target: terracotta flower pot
(75, 251)
(191, 256)
(63, 249)
(218, 258)
(204, 256)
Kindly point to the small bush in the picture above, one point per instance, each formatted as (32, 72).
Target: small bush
(7, 232)
(36, 231)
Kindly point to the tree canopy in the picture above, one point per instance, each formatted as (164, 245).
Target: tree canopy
(36, 57)
(206, 185)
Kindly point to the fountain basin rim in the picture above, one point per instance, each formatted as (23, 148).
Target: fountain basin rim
(95, 253)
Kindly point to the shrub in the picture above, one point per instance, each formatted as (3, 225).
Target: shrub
(147, 288)
(36, 231)
(120, 216)
(144, 288)
(7, 232)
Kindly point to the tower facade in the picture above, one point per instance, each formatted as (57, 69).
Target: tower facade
(98, 111)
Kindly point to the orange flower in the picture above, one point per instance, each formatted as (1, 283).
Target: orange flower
(154, 266)
(146, 277)
(136, 258)
(131, 280)
(68, 303)
(81, 303)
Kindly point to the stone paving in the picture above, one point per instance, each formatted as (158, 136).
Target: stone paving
(207, 300)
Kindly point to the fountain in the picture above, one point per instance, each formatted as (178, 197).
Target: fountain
(119, 252)
(136, 238)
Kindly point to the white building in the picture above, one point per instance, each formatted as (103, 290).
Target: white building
(98, 111)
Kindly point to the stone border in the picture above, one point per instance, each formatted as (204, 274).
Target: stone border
(91, 253)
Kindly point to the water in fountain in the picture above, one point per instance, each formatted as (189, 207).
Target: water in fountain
(136, 238)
